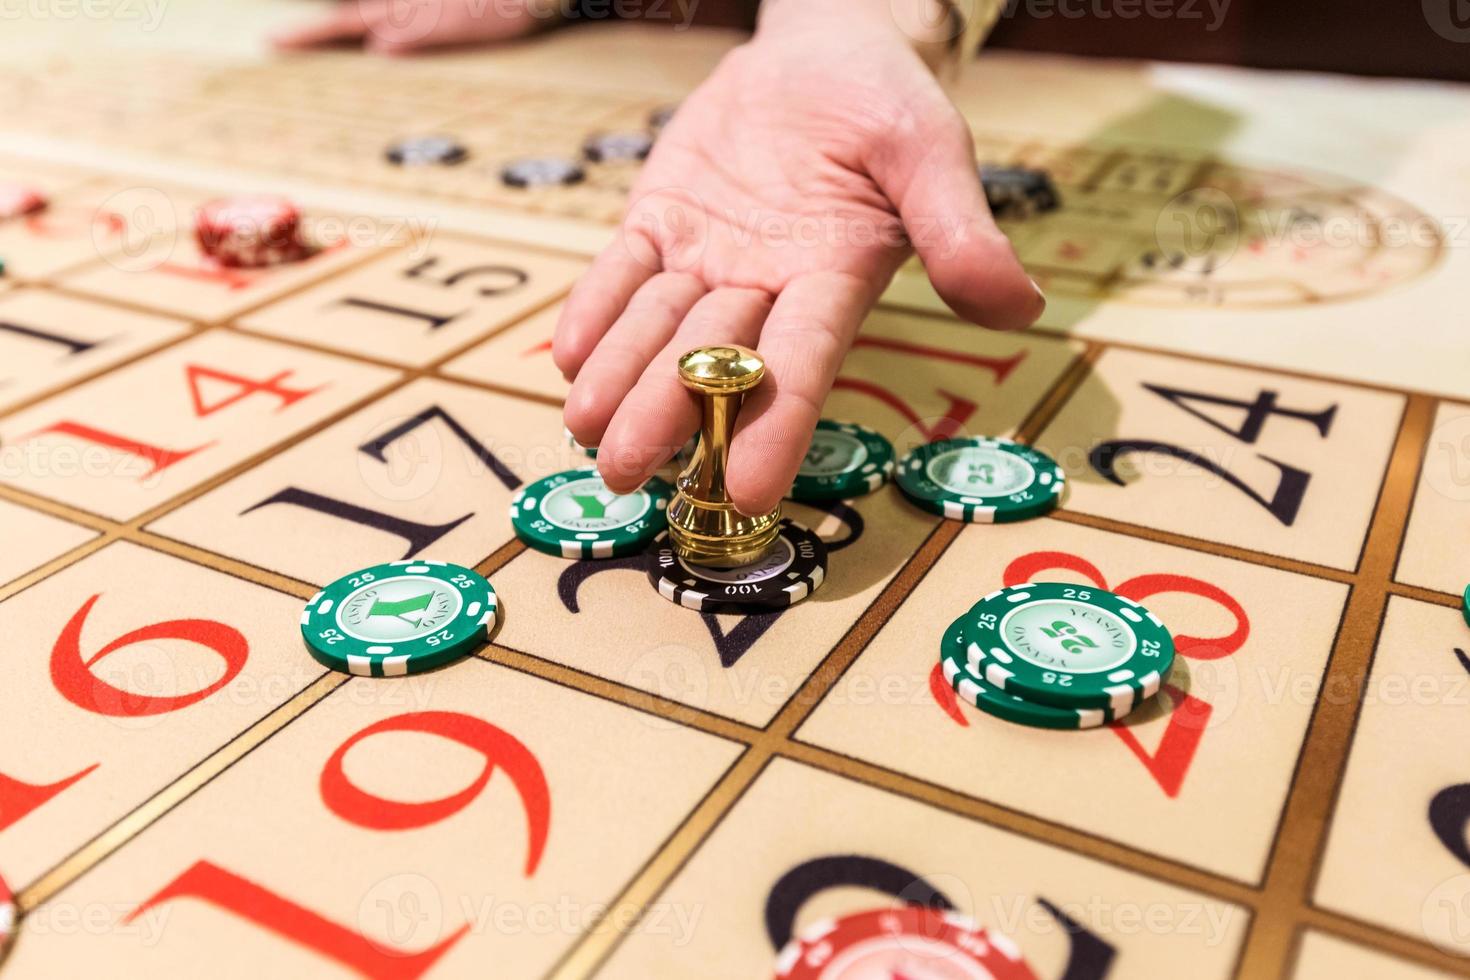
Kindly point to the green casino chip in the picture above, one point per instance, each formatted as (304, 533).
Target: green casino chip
(843, 461)
(574, 515)
(972, 688)
(404, 617)
(984, 481)
(1068, 646)
(1465, 605)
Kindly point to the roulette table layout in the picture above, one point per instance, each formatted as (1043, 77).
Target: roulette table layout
(1262, 422)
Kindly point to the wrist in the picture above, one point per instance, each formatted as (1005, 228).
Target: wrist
(927, 26)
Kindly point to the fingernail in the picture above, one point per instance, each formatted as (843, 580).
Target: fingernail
(1040, 297)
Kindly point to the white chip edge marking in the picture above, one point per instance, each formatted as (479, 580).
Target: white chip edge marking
(1121, 698)
(962, 922)
(997, 675)
(1151, 682)
(790, 954)
(1005, 944)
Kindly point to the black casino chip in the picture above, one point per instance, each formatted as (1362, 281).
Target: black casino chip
(542, 172)
(1018, 192)
(617, 147)
(427, 151)
(794, 568)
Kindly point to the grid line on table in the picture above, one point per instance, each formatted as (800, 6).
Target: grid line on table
(1283, 903)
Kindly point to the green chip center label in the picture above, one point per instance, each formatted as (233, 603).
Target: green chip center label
(397, 609)
(833, 454)
(980, 471)
(1072, 637)
(588, 505)
(780, 558)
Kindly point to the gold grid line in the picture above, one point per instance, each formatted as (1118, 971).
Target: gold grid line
(1281, 903)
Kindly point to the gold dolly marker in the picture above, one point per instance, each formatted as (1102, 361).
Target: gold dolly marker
(704, 526)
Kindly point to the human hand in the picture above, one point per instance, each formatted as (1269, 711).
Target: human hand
(402, 26)
(774, 210)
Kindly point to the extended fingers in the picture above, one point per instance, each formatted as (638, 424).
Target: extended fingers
(805, 339)
(596, 302)
(659, 414)
(624, 352)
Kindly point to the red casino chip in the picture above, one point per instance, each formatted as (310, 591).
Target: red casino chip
(18, 200)
(910, 943)
(250, 232)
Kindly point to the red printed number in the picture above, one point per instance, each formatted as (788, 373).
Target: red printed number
(226, 890)
(1169, 763)
(958, 409)
(72, 676)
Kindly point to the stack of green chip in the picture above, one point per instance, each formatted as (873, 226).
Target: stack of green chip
(1056, 655)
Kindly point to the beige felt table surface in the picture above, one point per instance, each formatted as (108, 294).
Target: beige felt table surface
(1265, 443)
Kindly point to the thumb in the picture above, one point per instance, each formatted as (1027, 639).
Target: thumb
(931, 176)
